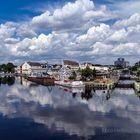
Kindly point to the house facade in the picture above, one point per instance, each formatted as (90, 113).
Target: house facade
(29, 68)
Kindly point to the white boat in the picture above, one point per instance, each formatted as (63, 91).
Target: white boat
(68, 83)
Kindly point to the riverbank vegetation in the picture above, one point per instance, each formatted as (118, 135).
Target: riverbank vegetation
(7, 68)
(88, 74)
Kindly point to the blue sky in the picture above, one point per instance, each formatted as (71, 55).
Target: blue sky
(83, 30)
(13, 10)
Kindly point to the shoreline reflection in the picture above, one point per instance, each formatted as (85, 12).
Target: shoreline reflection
(7, 80)
(76, 113)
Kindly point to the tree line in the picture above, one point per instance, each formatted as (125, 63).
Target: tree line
(7, 68)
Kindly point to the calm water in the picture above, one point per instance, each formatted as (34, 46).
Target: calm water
(32, 112)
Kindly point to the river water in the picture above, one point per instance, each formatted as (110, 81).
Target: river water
(34, 112)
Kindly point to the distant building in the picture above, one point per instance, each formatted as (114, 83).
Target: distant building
(121, 63)
(92, 66)
(137, 63)
(53, 70)
(56, 67)
(65, 73)
(33, 67)
(73, 65)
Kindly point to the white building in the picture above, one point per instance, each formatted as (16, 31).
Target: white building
(33, 68)
(65, 73)
(18, 69)
(73, 65)
(91, 66)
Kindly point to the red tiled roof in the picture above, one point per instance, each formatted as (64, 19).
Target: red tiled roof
(69, 62)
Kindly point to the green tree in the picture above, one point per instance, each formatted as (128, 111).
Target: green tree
(73, 76)
(134, 68)
(9, 67)
(138, 74)
(3, 68)
(88, 73)
(94, 73)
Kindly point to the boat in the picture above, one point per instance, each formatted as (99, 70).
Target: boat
(43, 80)
(69, 83)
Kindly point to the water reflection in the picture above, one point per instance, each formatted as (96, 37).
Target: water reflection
(7, 80)
(82, 114)
(127, 81)
(87, 94)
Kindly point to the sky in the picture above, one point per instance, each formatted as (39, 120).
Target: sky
(97, 31)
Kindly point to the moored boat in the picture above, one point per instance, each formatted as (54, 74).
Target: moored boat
(42, 80)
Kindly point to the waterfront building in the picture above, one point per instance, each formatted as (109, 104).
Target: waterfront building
(65, 73)
(29, 68)
(18, 69)
(54, 70)
(56, 67)
(120, 62)
(65, 70)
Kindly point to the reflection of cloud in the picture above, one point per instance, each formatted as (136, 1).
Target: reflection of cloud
(120, 99)
(72, 115)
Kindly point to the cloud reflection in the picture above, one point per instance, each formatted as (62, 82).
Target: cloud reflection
(56, 108)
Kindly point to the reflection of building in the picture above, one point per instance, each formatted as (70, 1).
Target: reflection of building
(101, 76)
(33, 67)
(121, 63)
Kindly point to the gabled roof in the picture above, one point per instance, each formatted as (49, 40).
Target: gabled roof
(34, 63)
